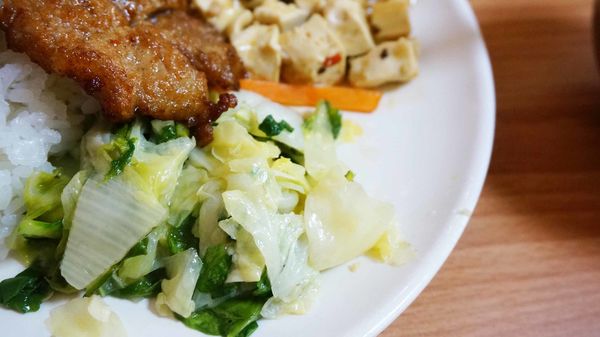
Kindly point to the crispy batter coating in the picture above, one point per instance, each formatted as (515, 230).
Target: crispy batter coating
(131, 65)
(205, 47)
(143, 9)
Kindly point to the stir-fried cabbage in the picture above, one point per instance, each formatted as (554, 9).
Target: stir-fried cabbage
(70, 195)
(115, 212)
(160, 165)
(221, 235)
(277, 238)
(185, 199)
(183, 270)
(253, 109)
(342, 221)
(88, 316)
(248, 261)
(110, 217)
(320, 156)
(137, 266)
(211, 211)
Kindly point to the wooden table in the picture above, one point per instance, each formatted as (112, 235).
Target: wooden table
(529, 261)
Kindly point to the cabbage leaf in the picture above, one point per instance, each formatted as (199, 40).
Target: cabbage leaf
(110, 217)
(342, 221)
(183, 270)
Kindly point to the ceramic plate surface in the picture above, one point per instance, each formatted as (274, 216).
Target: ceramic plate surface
(426, 150)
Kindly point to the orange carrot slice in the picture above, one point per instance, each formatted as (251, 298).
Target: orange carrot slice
(345, 98)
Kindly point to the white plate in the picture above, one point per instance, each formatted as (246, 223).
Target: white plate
(426, 150)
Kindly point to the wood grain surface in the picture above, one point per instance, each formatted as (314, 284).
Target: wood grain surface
(529, 261)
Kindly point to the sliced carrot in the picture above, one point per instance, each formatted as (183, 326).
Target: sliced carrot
(345, 98)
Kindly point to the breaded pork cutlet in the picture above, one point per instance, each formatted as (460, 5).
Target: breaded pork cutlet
(204, 47)
(132, 66)
(138, 10)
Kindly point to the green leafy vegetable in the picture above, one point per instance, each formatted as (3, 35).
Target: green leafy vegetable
(140, 248)
(204, 321)
(45, 254)
(100, 238)
(273, 128)
(123, 132)
(165, 131)
(42, 195)
(39, 251)
(248, 330)
(30, 228)
(217, 263)
(24, 292)
(232, 318)
(335, 119)
(57, 282)
(121, 150)
(166, 134)
(144, 261)
(350, 176)
(263, 286)
(226, 292)
(105, 283)
(118, 165)
(110, 284)
(180, 238)
(147, 286)
(320, 130)
(43, 218)
(291, 153)
(181, 130)
(136, 275)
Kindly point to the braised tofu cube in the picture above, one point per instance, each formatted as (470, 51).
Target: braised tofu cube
(286, 16)
(311, 5)
(258, 47)
(394, 61)
(252, 3)
(348, 19)
(313, 53)
(225, 18)
(242, 20)
(214, 7)
(390, 19)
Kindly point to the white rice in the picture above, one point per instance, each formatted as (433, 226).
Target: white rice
(40, 116)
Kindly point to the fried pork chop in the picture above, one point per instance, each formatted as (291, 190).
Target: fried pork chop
(144, 9)
(134, 64)
(204, 47)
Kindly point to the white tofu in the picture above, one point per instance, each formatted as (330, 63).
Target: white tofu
(225, 18)
(348, 19)
(258, 47)
(313, 53)
(286, 16)
(390, 19)
(214, 7)
(252, 3)
(311, 5)
(241, 21)
(364, 3)
(394, 61)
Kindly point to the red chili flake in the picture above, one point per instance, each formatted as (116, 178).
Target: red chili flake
(332, 60)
